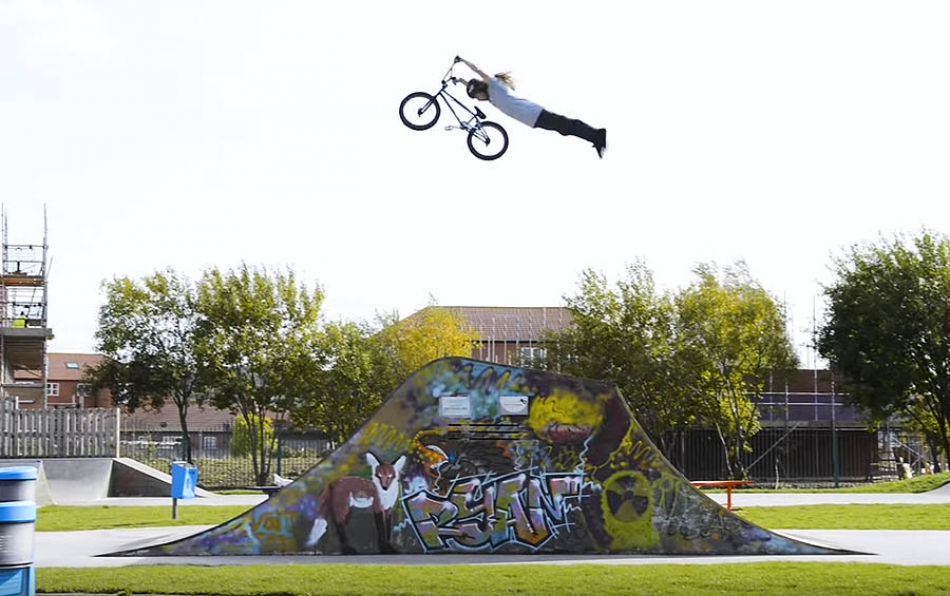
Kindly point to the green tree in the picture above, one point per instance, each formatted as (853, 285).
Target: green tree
(363, 364)
(887, 330)
(731, 334)
(352, 383)
(258, 341)
(625, 334)
(242, 435)
(146, 330)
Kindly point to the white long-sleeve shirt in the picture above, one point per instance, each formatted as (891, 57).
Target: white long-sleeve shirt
(522, 110)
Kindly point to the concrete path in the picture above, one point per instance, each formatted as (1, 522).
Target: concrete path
(79, 549)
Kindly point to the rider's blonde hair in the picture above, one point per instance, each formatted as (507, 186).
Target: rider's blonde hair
(507, 79)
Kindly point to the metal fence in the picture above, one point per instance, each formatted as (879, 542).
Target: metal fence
(783, 455)
(294, 453)
(779, 453)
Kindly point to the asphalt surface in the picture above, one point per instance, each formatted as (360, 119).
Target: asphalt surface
(80, 549)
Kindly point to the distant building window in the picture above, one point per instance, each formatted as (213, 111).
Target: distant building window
(52, 390)
(533, 354)
(84, 390)
(73, 365)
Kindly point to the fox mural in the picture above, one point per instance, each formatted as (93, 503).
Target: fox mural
(379, 494)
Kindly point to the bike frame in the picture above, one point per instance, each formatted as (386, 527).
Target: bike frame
(476, 116)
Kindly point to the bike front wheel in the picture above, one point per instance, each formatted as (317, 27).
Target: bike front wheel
(419, 111)
(488, 140)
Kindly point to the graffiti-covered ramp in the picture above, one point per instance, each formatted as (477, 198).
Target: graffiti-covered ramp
(473, 457)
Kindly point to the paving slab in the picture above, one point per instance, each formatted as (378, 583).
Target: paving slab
(80, 549)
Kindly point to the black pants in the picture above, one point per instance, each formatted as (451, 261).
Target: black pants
(566, 126)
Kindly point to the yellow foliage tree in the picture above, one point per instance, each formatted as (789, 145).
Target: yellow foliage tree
(432, 333)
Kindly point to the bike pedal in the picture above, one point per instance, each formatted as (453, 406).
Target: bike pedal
(450, 127)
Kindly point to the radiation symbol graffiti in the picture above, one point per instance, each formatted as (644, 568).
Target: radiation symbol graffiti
(627, 506)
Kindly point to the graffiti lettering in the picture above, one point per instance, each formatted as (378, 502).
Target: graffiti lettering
(642, 452)
(484, 513)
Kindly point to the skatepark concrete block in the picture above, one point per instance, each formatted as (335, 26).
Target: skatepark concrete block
(480, 458)
(62, 481)
(42, 494)
(131, 478)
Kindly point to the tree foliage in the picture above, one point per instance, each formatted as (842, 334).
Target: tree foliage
(626, 334)
(351, 383)
(243, 435)
(432, 333)
(146, 330)
(887, 330)
(732, 333)
(363, 364)
(258, 344)
(698, 356)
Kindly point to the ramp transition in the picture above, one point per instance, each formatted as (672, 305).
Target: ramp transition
(65, 481)
(473, 457)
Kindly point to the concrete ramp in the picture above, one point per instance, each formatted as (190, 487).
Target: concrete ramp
(474, 457)
(64, 481)
(43, 495)
(943, 491)
(78, 479)
(131, 478)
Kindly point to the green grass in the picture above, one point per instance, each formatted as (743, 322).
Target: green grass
(919, 484)
(754, 578)
(64, 519)
(851, 517)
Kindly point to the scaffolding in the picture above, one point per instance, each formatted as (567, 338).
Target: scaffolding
(24, 329)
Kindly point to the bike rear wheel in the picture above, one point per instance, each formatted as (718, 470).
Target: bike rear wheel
(419, 111)
(488, 140)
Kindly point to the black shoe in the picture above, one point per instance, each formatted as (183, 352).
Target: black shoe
(601, 144)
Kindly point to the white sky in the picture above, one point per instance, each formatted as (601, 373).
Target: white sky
(190, 134)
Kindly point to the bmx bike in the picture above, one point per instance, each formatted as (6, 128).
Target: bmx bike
(420, 111)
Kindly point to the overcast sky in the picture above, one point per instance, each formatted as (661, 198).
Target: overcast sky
(195, 133)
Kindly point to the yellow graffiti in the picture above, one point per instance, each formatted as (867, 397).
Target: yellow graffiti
(627, 505)
(635, 452)
(384, 438)
(567, 408)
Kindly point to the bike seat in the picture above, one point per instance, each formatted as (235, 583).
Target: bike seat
(480, 113)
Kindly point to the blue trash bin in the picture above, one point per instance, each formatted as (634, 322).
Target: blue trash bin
(17, 524)
(184, 480)
(18, 483)
(17, 527)
(18, 582)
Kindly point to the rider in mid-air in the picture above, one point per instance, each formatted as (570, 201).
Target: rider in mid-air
(496, 90)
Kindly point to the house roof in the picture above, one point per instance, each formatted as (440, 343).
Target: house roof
(199, 419)
(69, 366)
(513, 323)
